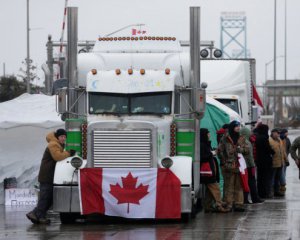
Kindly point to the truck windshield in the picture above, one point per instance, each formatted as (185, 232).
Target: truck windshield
(141, 103)
(231, 103)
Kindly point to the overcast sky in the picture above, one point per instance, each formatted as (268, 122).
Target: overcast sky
(162, 17)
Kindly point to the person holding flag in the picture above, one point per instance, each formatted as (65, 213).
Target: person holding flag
(231, 144)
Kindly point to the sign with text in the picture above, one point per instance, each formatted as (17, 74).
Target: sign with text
(20, 197)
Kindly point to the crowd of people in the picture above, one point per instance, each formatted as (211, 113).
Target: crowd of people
(266, 158)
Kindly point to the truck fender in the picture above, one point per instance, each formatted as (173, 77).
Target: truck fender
(65, 173)
(182, 168)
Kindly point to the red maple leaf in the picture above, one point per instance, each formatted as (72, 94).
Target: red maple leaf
(129, 193)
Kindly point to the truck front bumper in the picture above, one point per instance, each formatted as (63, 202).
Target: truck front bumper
(66, 199)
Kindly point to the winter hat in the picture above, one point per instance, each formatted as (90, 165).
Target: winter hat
(245, 132)
(234, 135)
(262, 129)
(284, 130)
(275, 130)
(60, 132)
(234, 124)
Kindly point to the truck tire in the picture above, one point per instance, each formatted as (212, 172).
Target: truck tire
(186, 217)
(68, 218)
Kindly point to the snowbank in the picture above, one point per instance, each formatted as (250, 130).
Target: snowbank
(24, 123)
(31, 110)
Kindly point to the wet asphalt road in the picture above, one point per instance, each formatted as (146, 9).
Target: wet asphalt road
(278, 218)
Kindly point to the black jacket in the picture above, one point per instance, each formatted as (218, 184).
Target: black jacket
(264, 151)
(207, 156)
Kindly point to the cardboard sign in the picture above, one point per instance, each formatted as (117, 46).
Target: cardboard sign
(20, 197)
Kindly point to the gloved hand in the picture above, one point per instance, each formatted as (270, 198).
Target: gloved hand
(72, 152)
(287, 164)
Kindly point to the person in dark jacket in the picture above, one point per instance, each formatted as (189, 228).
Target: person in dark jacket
(209, 174)
(53, 153)
(264, 154)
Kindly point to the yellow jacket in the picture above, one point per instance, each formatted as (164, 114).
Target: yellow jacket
(279, 157)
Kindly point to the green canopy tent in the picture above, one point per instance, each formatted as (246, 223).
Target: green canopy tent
(215, 116)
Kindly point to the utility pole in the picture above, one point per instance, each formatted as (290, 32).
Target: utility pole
(28, 52)
(285, 47)
(275, 57)
(4, 69)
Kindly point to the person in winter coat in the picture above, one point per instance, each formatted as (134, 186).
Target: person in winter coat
(209, 174)
(287, 146)
(245, 132)
(278, 161)
(53, 153)
(264, 154)
(230, 145)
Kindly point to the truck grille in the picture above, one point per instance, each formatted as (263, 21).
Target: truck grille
(122, 149)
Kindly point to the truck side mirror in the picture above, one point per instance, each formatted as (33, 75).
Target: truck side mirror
(255, 113)
(61, 100)
(201, 102)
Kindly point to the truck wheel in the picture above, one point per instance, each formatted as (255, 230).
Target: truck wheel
(194, 212)
(186, 217)
(68, 218)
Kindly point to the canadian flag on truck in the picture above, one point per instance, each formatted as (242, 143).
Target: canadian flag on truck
(135, 31)
(257, 100)
(256, 97)
(130, 193)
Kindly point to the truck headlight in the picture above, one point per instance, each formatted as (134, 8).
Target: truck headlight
(167, 162)
(76, 162)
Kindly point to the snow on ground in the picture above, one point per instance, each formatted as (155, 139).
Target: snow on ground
(24, 124)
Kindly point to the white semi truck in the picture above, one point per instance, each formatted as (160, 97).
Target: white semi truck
(231, 82)
(136, 103)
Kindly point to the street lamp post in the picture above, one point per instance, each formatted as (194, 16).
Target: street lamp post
(28, 61)
(275, 56)
(266, 76)
(285, 46)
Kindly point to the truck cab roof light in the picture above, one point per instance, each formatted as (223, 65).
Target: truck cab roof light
(130, 71)
(118, 71)
(94, 71)
(167, 71)
(141, 38)
(142, 71)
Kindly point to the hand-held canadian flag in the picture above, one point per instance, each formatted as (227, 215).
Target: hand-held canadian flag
(132, 193)
(243, 172)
